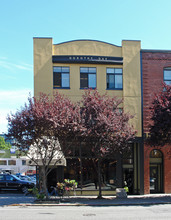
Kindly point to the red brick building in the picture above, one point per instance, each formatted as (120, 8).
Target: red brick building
(156, 69)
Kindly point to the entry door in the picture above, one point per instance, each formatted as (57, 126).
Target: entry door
(155, 178)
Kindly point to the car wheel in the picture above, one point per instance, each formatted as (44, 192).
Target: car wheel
(24, 189)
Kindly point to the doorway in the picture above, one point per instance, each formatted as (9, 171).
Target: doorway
(156, 171)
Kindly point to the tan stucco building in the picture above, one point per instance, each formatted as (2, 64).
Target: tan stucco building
(71, 67)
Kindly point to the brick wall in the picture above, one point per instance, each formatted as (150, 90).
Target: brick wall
(153, 64)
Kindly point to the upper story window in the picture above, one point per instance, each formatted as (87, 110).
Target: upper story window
(114, 78)
(61, 77)
(87, 77)
(167, 75)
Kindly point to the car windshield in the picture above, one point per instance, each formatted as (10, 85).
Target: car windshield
(25, 178)
(15, 177)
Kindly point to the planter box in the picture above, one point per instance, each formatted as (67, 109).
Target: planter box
(121, 193)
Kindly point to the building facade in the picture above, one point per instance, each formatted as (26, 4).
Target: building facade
(121, 71)
(156, 69)
(15, 165)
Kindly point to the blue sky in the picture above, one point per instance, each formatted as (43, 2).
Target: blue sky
(110, 21)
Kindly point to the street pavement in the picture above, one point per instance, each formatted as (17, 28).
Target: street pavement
(16, 199)
(154, 212)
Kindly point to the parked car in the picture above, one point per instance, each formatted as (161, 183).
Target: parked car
(12, 182)
(26, 178)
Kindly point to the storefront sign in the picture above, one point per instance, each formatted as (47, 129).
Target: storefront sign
(88, 59)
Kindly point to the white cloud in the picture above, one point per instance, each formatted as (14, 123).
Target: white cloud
(12, 66)
(10, 101)
(3, 121)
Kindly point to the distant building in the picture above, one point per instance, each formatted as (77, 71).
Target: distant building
(11, 162)
(15, 165)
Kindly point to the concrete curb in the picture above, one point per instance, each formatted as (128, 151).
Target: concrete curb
(93, 204)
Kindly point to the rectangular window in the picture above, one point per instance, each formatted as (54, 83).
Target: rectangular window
(3, 162)
(11, 162)
(61, 77)
(87, 77)
(167, 76)
(23, 162)
(114, 78)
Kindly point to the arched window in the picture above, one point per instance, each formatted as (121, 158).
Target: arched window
(156, 154)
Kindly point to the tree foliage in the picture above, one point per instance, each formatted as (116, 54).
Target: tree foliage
(44, 127)
(4, 145)
(39, 125)
(160, 126)
(106, 127)
(105, 123)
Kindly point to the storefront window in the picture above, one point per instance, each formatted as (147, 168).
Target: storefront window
(84, 171)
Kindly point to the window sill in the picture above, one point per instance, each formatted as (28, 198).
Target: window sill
(61, 88)
(88, 88)
(114, 89)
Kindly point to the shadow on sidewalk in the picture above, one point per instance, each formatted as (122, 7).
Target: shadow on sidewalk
(12, 198)
(17, 199)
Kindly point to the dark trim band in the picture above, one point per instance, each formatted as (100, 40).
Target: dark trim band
(88, 59)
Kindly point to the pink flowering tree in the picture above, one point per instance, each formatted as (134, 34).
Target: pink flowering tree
(106, 127)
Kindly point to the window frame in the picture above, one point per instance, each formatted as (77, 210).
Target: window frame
(61, 72)
(168, 80)
(88, 73)
(113, 74)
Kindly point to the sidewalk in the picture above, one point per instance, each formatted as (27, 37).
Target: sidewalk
(113, 201)
(145, 200)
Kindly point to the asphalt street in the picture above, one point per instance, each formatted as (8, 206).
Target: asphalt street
(157, 212)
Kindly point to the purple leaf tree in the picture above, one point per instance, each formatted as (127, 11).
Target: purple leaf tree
(106, 126)
(160, 126)
(42, 127)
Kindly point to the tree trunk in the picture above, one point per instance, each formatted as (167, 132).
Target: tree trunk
(81, 169)
(99, 180)
(44, 179)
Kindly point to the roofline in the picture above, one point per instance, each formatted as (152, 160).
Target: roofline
(132, 40)
(42, 37)
(155, 51)
(88, 40)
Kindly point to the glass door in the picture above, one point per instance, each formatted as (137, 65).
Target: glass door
(153, 179)
(156, 171)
